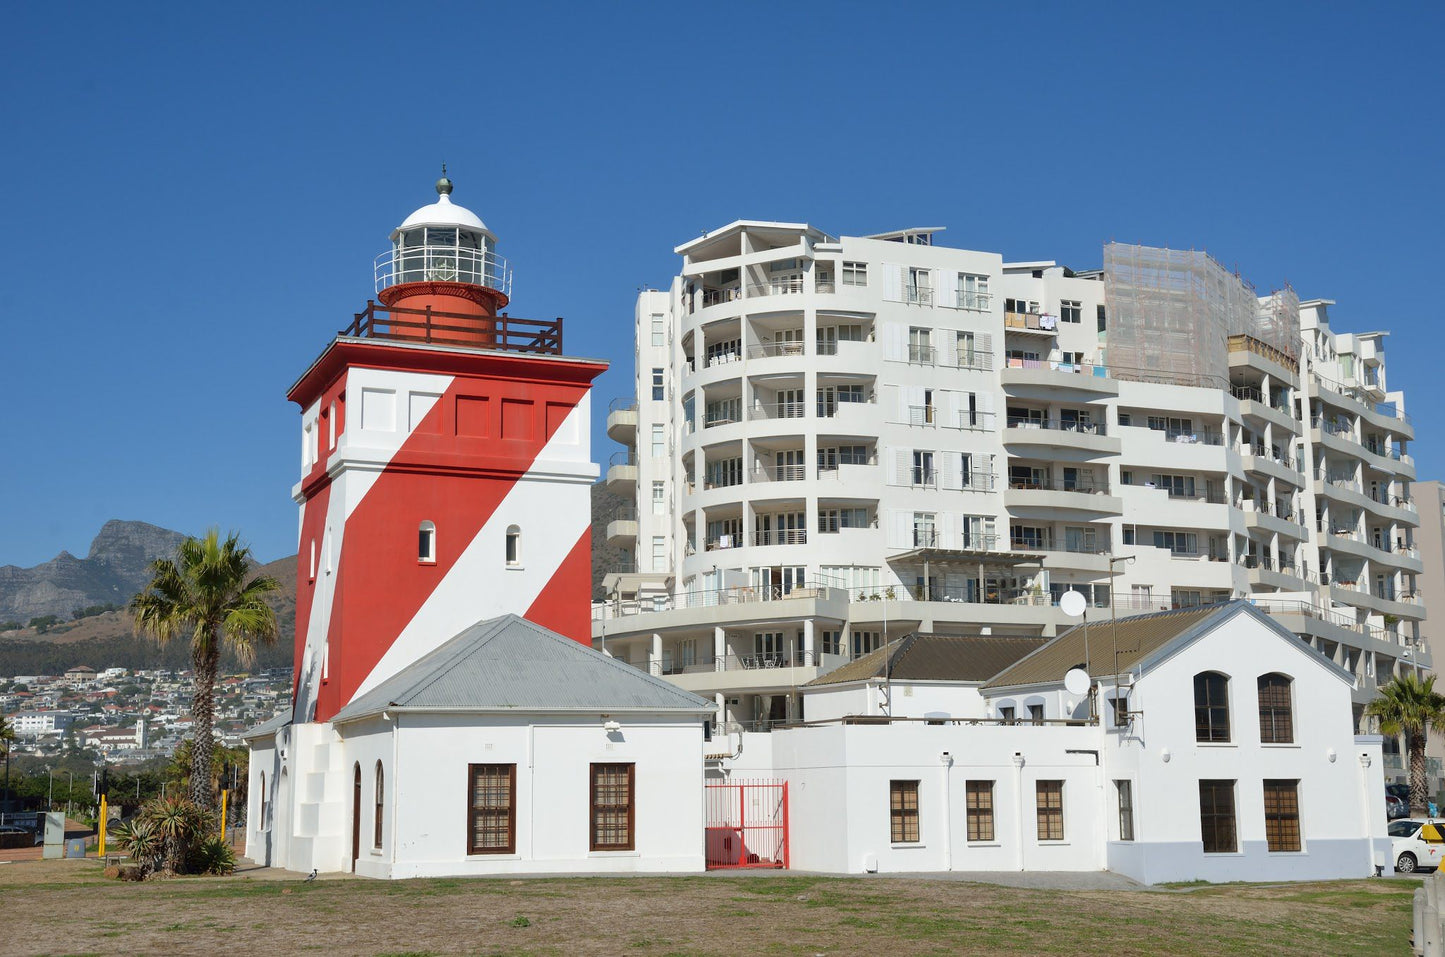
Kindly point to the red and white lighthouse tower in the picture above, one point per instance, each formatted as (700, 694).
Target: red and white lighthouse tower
(445, 466)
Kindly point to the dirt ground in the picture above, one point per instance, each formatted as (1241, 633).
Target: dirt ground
(67, 907)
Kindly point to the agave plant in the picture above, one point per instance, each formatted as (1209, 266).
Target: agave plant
(212, 855)
(141, 842)
(179, 824)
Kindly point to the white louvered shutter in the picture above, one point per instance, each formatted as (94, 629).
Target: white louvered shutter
(893, 282)
(945, 288)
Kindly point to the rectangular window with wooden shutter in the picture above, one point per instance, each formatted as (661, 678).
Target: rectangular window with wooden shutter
(903, 812)
(492, 809)
(613, 813)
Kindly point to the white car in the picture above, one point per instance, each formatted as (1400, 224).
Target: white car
(1418, 844)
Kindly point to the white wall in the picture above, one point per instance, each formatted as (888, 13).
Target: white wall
(429, 793)
(839, 796)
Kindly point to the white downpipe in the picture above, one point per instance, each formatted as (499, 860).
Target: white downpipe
(1019, 823)
(946, 759)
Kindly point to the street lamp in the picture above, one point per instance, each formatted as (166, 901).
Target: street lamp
(69, 789)
(50, 789)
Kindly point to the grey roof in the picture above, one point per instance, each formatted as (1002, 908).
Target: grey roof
(268, 727)
(1142, 641)
(927, 657)
(510, 664)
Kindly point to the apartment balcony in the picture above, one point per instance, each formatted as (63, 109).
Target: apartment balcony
(1030, 324)
(1056, 381)
(1389, 460)
(1391, 418)
(622, 529)
(1053, 436)
(1256, 407)
(1249, 352)
(1349, 491)
(1263, 460)
(621, 472)
(622, 421)
(1061, 501)
(1281, 521)
(1089, 553)
(1386, 601)
(1265, 572)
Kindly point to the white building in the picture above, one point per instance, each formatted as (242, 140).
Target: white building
(30, 724)
(837, 441)
(1233, 757)
(509, 749)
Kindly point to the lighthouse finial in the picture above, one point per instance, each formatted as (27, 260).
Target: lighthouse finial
(444, 185)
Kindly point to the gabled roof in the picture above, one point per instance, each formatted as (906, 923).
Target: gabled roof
(924, 657)
(268, 727)
(1141, 640)
(509, 664)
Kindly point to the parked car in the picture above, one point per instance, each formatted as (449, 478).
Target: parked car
(9, 829)
(1396, 806)
(1418, 845)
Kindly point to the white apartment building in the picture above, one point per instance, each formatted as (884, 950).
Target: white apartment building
(30, 724)
(838, 440)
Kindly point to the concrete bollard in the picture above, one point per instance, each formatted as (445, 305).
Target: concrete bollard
(1432, 943)
(1417, 936)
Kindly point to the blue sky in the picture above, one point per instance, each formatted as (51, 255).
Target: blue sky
(192, 196)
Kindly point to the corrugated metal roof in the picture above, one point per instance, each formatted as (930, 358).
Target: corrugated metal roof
(511, 664)
(1137, 638)
(925, 657)
(268, 727)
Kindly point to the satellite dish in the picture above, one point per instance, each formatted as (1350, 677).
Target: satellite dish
(1073, 604)
(1077, 680)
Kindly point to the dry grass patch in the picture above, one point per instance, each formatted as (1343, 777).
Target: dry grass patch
(71, 910)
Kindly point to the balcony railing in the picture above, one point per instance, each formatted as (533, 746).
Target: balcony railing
(1086, 545)
(1331, 426)
(1260, 450)
(622, 404)
(1057, 425)
(1046, 484)
(782, 286)
(781, 536)
(922, 354)
(780, 473)
(766, 350)
(623, 457)
(1246, 343)
(501, 332)
(918, 295)
(1030, 320)
(791, 409)
(1049, 365)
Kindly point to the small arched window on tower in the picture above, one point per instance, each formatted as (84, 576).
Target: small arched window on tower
(514, 546)
(426, 543)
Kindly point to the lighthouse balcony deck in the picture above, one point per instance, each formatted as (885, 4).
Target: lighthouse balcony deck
(504, 332)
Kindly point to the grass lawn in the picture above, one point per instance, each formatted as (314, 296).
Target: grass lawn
(66, 907)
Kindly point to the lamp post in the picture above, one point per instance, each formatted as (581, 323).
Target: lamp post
(69, 788)
(50, 788)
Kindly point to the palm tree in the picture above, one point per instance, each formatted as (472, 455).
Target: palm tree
(7, 736)
(1410, 706)
(204, 595)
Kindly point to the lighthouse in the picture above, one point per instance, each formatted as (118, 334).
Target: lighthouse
(445, 466)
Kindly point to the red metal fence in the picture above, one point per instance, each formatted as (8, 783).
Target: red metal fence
(747, 824)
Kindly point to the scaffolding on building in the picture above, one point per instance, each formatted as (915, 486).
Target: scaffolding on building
(1171, 313)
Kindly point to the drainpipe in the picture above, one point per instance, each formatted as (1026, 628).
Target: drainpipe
(946, 759)
(1365, 812)
(1019, 788)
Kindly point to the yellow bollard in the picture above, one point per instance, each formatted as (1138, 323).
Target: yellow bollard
(225, 793)
(103, 810)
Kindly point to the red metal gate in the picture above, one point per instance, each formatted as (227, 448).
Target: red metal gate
(747, 824)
